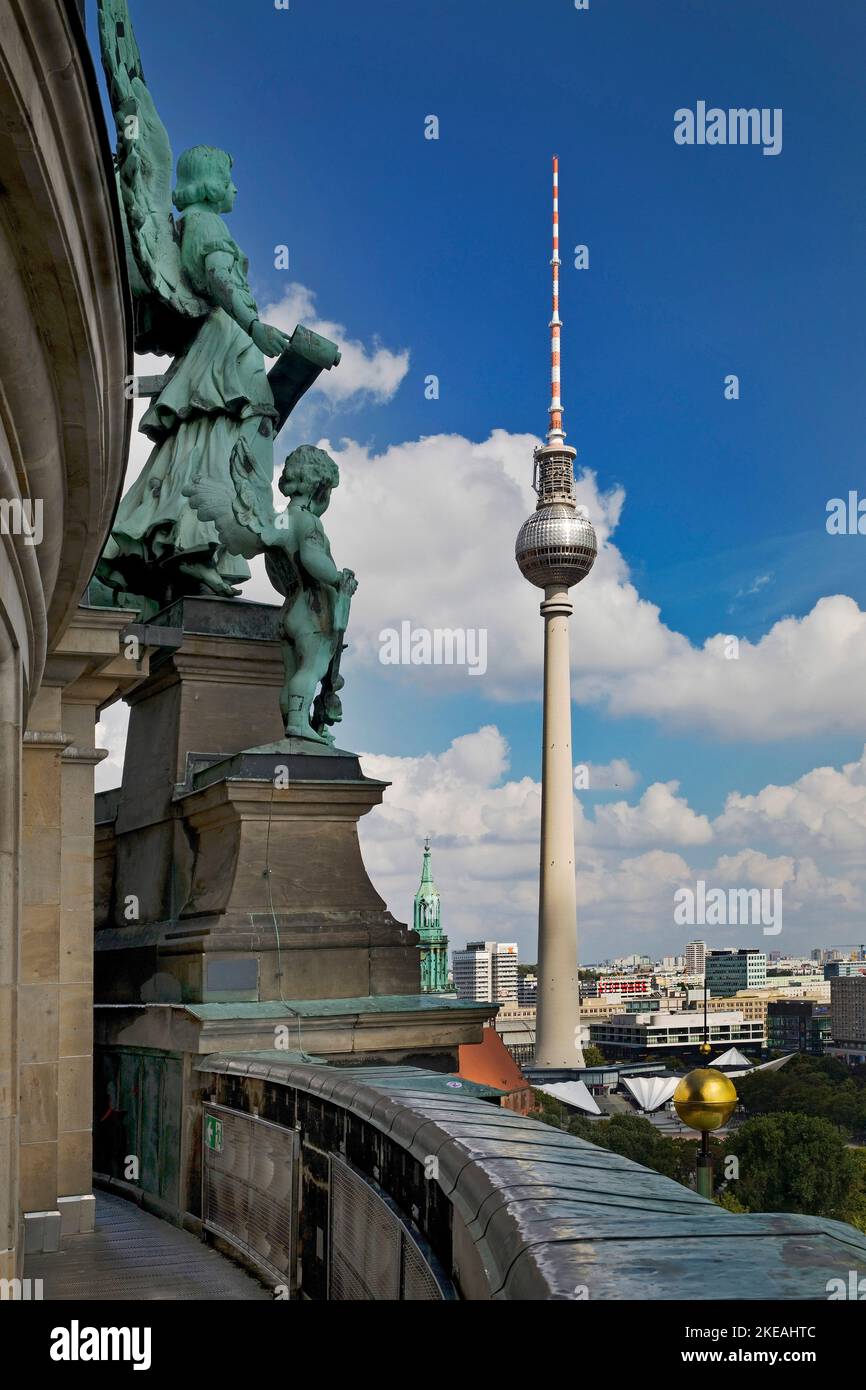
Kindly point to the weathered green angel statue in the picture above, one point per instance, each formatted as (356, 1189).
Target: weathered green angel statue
(192, 301)
(298, 560)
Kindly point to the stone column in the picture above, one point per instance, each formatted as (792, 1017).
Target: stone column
(10, 827)
(558, 1014)
(55, 995)
(75, 991)
(39, 971)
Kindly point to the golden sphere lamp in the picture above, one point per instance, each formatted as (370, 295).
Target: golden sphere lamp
(705, 1100)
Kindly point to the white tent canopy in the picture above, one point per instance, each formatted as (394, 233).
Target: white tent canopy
(650, 1091)
(574, 1093)
(733, 1058)
(776, 1062)
(743, 1070)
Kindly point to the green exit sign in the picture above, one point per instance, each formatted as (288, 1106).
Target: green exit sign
(213, 1133)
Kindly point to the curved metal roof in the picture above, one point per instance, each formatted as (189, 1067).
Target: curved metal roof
(550, 1214)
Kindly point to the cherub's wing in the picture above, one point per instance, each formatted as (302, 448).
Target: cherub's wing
(254, 498)
(283, 573)
(254, 507)
(144, 165)
(217, 502)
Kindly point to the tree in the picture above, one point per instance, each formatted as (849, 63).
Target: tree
(855, 1211)
(633, 1137)
(727, 1200)
(591, 1130)
(819, 1086)
(593, 1056)
(548, 1109)
(684, 1153)
(793, 1162)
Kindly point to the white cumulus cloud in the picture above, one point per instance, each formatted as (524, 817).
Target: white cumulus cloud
(617, 775)
(429, 526)
(630, 858)
(373, 371)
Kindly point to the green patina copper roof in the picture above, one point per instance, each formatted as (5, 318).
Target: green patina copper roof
(427, 888)
(333, 1008)
(427, 922)
(555, 1217)
(418, 1080)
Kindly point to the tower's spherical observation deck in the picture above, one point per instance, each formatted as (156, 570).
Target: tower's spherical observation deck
(557, 546)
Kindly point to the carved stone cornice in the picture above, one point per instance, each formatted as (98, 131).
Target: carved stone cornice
(65, 329)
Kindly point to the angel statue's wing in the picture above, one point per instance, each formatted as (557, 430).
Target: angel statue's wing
(144, 168)
(241, 508)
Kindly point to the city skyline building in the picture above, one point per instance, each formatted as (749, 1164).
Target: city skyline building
(848, 1019)
(837, 969)
(555, 549)
(696, 954)
(527, 989)
(626, 985)
(727, 971)
(797, 1025)
(629, 1034)
(486, 970)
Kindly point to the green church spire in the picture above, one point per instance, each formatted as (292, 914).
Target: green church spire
(426, 870)
(428, 924)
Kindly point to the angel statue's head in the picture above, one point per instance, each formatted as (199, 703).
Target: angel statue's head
(310, 472)
(204, 175)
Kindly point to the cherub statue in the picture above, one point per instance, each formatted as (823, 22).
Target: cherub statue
(315, 615)
(191, 300)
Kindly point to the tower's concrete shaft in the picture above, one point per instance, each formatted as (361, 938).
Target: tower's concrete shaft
(557, 1026)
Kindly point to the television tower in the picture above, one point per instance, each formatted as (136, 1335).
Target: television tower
(555, 549)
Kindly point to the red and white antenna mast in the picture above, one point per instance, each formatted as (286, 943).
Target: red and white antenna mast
(555, 433)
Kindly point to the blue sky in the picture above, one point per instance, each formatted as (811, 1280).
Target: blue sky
(703, 262)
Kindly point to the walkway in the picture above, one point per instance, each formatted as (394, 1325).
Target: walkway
(135, 1256)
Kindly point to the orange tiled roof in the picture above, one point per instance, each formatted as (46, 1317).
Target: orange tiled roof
(490, 1063)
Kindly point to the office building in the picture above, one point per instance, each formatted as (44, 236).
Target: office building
(696, 952)
(627, 1035)
(527, 990)
(848, 1019)
(839, 969)
(728, 971)
(797, 1025)
(486, 970)
(750, 1006)
(626, 985)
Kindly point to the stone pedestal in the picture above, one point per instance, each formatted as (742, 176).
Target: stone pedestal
(229, 862)
(234, 912)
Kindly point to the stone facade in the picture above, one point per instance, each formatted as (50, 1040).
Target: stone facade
(65, 354)
(85, 668)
